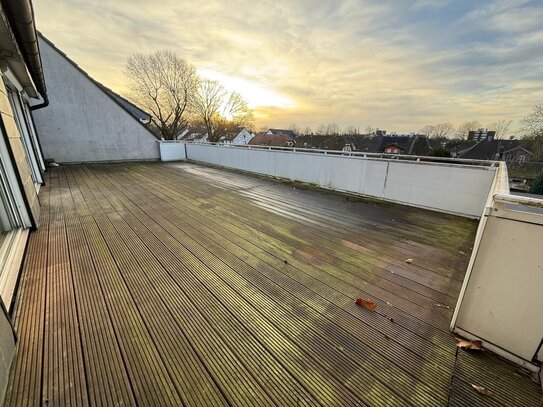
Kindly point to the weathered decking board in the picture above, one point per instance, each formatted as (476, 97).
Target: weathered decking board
(178, 284)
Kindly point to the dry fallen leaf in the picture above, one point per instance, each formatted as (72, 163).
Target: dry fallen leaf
(368, 304)
(473, 345)
(482, 390)
(409, 261)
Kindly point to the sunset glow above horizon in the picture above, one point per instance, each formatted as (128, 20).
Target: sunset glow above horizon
(388, 64)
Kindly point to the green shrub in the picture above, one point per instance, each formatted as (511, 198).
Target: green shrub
(537, 187)
(440, 152)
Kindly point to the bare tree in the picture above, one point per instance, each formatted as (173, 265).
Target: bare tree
(438, 131)
(370, 130)
(350, 130)
(427, 130)
(501, 127)
(294, 128)
(307, 131)
(237, 112)
(165, 85)
(219, 110)
(332, 129)
(443, 130)
(463, 130)
(321, 130)
(532, 125)
(532, 131)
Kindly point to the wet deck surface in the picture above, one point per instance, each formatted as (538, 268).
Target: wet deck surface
(178, 284)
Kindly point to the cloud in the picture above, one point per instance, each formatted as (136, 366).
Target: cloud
(397, 65)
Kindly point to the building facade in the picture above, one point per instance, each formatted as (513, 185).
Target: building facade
(21, 160)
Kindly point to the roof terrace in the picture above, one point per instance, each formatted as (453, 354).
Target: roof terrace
(181, 284)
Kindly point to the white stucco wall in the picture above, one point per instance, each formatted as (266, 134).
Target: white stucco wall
(82, 123)
(243, 137)
(451, 188)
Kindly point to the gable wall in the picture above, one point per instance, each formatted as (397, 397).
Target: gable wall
(82, 123)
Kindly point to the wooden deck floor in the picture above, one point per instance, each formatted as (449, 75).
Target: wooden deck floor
(178, 284)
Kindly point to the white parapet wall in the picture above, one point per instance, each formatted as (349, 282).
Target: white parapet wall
(172, 150)
(451, 186)
(501, 301)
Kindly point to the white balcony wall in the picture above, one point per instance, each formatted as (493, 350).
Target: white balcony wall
(500, 302)
(451, 188)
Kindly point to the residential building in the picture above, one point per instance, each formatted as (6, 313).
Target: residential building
(240, 135)
(490, 149)
(85, 121)
(241, 278)
(289, 133)
(481, 134)
(517, 154)
(21, 161)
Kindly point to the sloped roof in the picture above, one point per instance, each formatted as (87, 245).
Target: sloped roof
(518, 148)
(488, 149)
(273, 140)
(403, 142)
(420, 146)
(364, 143)
(283, 131)
(133, 109)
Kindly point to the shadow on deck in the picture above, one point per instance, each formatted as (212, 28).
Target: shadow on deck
(177, 284)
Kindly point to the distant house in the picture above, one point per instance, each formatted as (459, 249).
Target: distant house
(289, 133)
(196, 137)
(272, 140)
(392, 149)
(241, 135)
(405, 144)
(517, 155)
(481, 134)
(397, 144)
(490, 149)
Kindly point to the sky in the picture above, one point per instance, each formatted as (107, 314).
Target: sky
(392, 64)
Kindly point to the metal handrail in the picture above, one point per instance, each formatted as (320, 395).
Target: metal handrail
(519, 200)
(360, 154)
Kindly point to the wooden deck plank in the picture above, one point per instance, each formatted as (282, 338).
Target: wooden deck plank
(259, 368)
(363, 279)
(25, 384)
(186, 285)
(397, 376)
(255, 359)
(288, 230)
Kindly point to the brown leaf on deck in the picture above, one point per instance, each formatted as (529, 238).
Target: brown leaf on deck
(368, 304)
(482, 390)
(472, 345)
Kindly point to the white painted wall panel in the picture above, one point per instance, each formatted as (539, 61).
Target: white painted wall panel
(428, 184)
(172, 150)
(82, 123)
(452, 188)
(502, 303)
